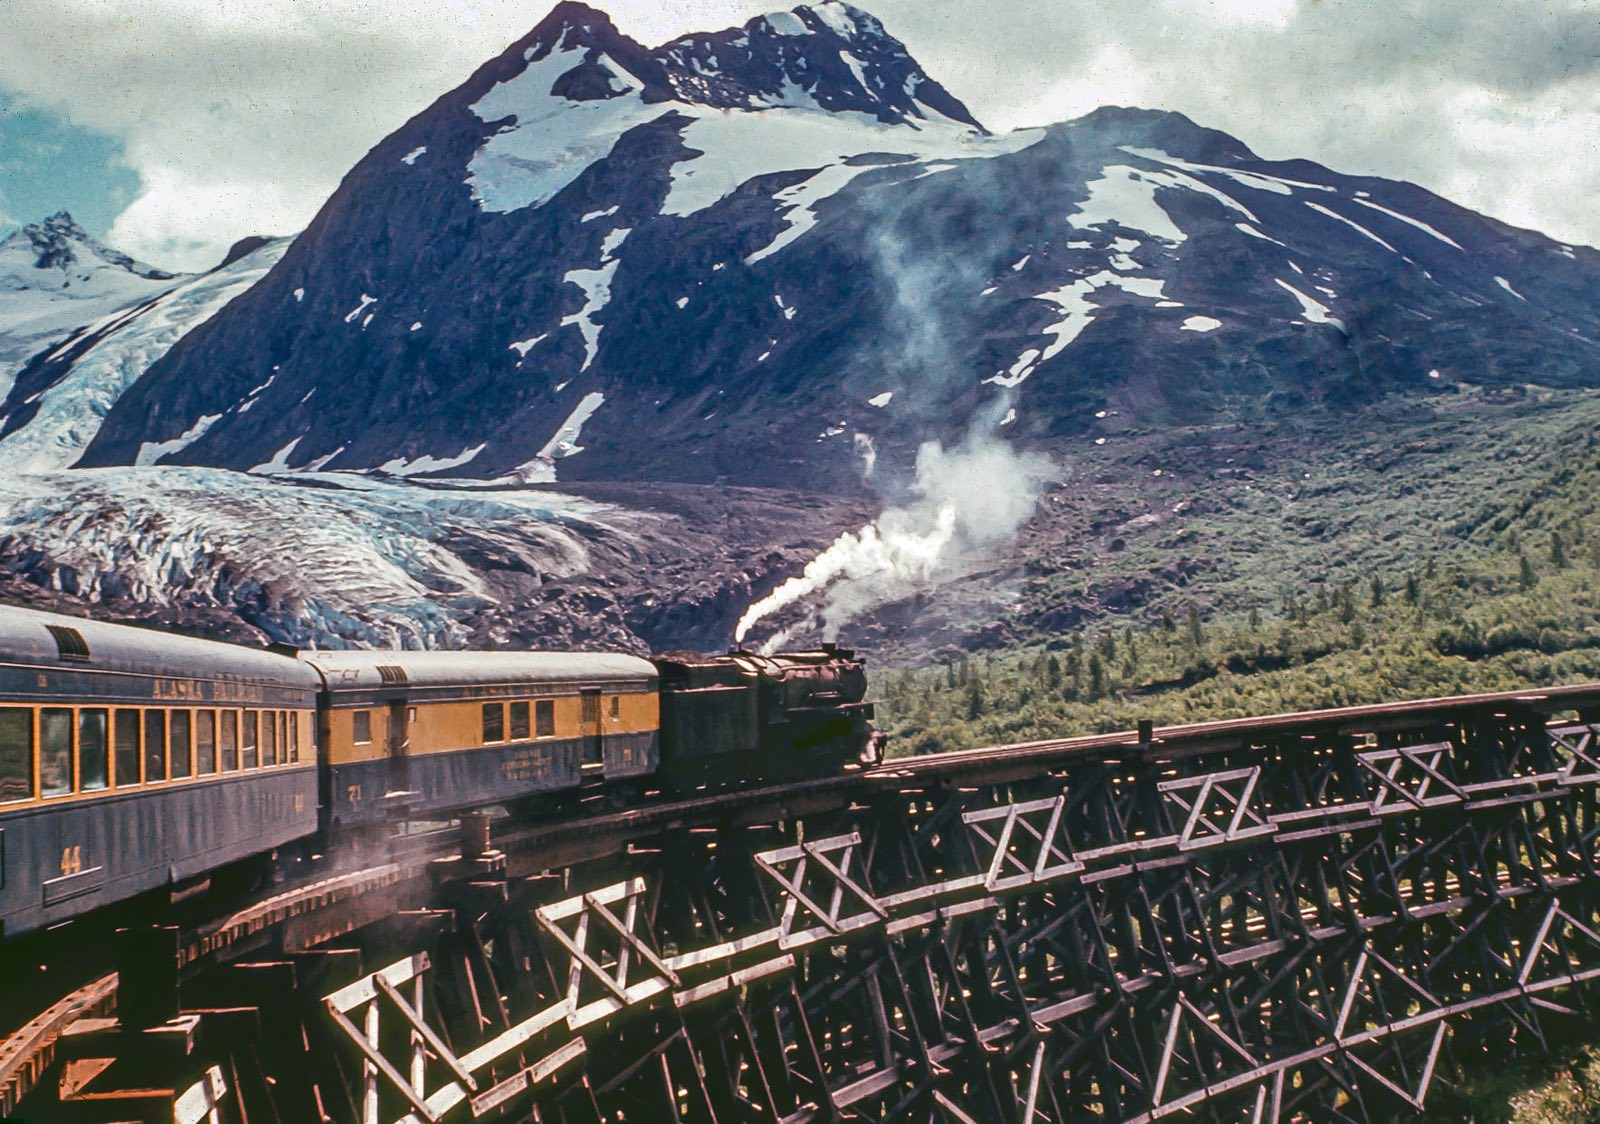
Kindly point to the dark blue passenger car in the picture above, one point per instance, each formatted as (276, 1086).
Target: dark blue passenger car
(132, 760)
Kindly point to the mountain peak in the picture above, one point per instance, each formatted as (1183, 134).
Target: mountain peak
(831, 56)
(59, 243)
(573, 15)
(574, 28)
(61, 222)
(845, 20)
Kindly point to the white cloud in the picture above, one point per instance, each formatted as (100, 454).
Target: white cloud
(241, 118)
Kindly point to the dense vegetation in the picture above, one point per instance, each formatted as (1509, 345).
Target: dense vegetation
(1508, 623)
(1511, 599)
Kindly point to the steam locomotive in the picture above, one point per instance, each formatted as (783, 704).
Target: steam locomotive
(132, 760)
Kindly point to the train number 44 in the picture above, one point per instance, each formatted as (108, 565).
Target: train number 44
(71, 860)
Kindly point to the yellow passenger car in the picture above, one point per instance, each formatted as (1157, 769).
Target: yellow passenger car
(416, 733)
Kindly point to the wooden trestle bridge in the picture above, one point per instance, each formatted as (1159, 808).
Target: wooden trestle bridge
(1322, 916)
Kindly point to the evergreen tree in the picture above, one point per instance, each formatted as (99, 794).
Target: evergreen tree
(966, 669)
(1347, 604)
(950, 675)
(1255, 619)
(976, 704)
(1052, 672)
(1197, 635)
(1291, 606)
(1169, 625)
(1097, 677)
(1413, 589)
(1558, 551)
(1377, 590)
(1526, 578)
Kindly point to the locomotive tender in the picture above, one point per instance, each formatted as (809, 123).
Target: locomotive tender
(132, 760)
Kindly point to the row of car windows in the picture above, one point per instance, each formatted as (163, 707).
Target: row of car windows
(494, 721)
(542, 712)
(87, 749)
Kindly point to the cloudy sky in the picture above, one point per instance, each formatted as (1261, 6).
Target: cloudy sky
(176, 126)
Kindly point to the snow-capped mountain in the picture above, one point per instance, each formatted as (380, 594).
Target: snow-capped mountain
(55, 278)
(767, 249)
(59, 396)
(778, 255)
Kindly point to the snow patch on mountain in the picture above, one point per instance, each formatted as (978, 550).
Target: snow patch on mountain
(1072, 301)
(549, 139)
(1357, 227)
(366, 301)
(737, 146)
(1418, 223)
(152, 451)
(596, 286)
(1313, 310)
(1506, 285)
(1126, 197)
(415, 466)
(522, 347)
(565, 441)
(1259, 181)
(280, 459)
(541, 469)
(1246, 228)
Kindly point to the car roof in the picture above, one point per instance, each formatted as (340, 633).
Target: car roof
(365, 670)
(27, 640)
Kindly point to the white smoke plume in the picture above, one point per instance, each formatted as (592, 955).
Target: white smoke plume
(964, 502)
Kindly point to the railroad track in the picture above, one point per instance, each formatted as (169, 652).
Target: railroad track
(322, 908)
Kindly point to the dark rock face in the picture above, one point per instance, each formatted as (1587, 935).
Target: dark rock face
(540, 273)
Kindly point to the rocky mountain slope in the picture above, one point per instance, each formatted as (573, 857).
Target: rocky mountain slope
(783, 252)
